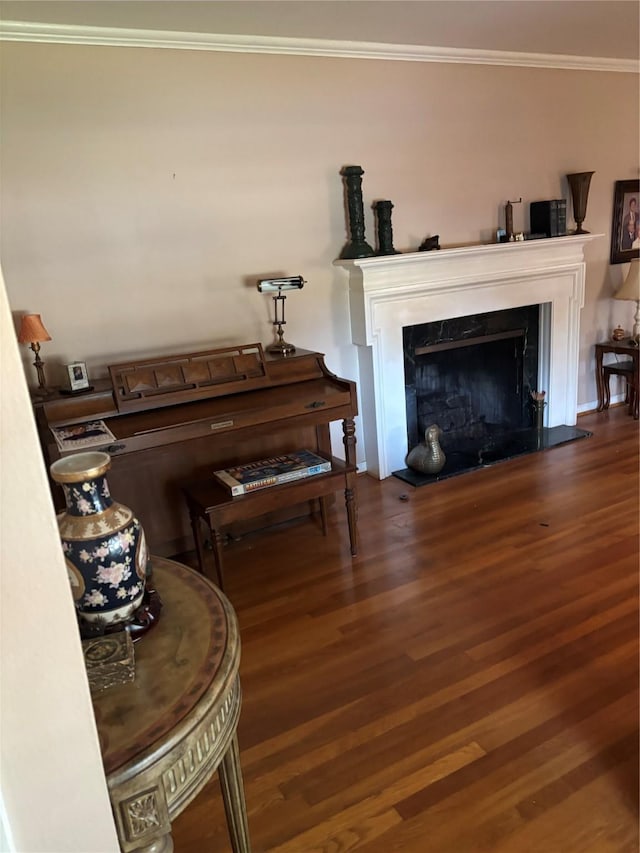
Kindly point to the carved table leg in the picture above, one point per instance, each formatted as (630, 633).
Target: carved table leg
(235, 807)
(160, 845)
(142, 822)
(606, 398)
(599, 379)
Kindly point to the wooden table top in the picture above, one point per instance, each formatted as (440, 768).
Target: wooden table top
(182, 666)
(623, 346)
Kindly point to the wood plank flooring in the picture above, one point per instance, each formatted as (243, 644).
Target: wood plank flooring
(468, 682)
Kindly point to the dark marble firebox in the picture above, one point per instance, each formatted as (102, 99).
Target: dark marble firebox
(473, 376)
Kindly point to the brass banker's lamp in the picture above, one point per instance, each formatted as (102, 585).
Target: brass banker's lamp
(33, 332)
(631, 290)
(276, 286)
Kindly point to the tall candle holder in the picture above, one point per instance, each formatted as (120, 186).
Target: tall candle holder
(357, 247)
(385, 231)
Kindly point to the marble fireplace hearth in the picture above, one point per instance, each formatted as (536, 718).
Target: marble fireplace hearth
(388, 294)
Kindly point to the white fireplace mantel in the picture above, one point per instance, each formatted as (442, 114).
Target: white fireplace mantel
(391, 292)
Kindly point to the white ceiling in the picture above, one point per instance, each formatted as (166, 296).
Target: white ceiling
(595, 28)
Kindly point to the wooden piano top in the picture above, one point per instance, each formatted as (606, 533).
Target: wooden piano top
(276, 389)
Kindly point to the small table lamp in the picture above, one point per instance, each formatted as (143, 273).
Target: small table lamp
(277, 285)
(631, 290)
(33, 332)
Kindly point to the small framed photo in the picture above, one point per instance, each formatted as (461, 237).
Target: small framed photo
(78, 377)
(625, 227)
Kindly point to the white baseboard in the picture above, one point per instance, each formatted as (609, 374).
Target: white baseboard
(593, 406)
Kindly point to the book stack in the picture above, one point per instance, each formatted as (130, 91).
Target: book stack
(271, 472)
(549, 218)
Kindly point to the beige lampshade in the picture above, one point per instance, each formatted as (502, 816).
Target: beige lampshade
(32, 330)
(631, 286)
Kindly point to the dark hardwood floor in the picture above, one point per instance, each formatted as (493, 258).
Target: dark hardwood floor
(468, 682)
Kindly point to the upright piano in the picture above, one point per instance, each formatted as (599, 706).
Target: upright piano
(181, 417)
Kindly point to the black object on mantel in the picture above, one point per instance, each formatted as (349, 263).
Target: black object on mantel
(385, 231)
(357, 247)
(430, 243)
(549, 218)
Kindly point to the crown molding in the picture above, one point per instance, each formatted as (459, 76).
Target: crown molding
(22, 31)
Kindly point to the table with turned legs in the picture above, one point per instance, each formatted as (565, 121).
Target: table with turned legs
(164, 734)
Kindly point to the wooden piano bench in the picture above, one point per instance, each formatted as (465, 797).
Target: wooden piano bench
(209, 503)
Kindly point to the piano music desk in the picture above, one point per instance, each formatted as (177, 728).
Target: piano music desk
(212, 504)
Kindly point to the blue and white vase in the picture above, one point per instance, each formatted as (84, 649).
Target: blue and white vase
(103, 543)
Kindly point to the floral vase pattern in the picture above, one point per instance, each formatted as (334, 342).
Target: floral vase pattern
(103, 543)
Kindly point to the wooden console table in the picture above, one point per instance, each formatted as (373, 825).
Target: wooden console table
(164, 734)
(631, 374)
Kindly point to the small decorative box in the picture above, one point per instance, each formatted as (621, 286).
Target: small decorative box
(109, 660)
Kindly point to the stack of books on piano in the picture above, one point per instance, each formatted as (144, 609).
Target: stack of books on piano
(271, 472)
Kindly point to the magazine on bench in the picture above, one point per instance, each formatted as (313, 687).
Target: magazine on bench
(271, 472)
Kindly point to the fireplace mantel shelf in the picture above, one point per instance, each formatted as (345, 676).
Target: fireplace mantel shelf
(387, 293)
(476, 248)
(500, 254)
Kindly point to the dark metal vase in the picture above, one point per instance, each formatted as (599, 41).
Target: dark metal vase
(579, 185)
(357, 247)
(537, 411)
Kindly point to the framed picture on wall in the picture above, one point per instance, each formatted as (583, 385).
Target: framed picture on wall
(625, 227)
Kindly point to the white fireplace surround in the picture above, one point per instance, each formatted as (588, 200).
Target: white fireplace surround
(389, 293)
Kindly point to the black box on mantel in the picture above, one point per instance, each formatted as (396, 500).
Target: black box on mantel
(549, 217)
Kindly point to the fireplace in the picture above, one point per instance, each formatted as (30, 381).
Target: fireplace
(472, 376)
(390, 294)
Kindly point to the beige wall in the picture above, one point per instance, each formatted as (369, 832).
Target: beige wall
(53, 794)
(144, 190)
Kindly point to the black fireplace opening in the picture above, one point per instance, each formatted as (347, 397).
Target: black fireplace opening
(474, 376)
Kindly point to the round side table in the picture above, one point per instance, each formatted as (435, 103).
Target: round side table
(164, 734)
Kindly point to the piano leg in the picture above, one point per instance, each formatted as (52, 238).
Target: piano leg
(216, 543)
(349, 441)
(352, 515)
(217, 540)
(197, 538)
(323, 514)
